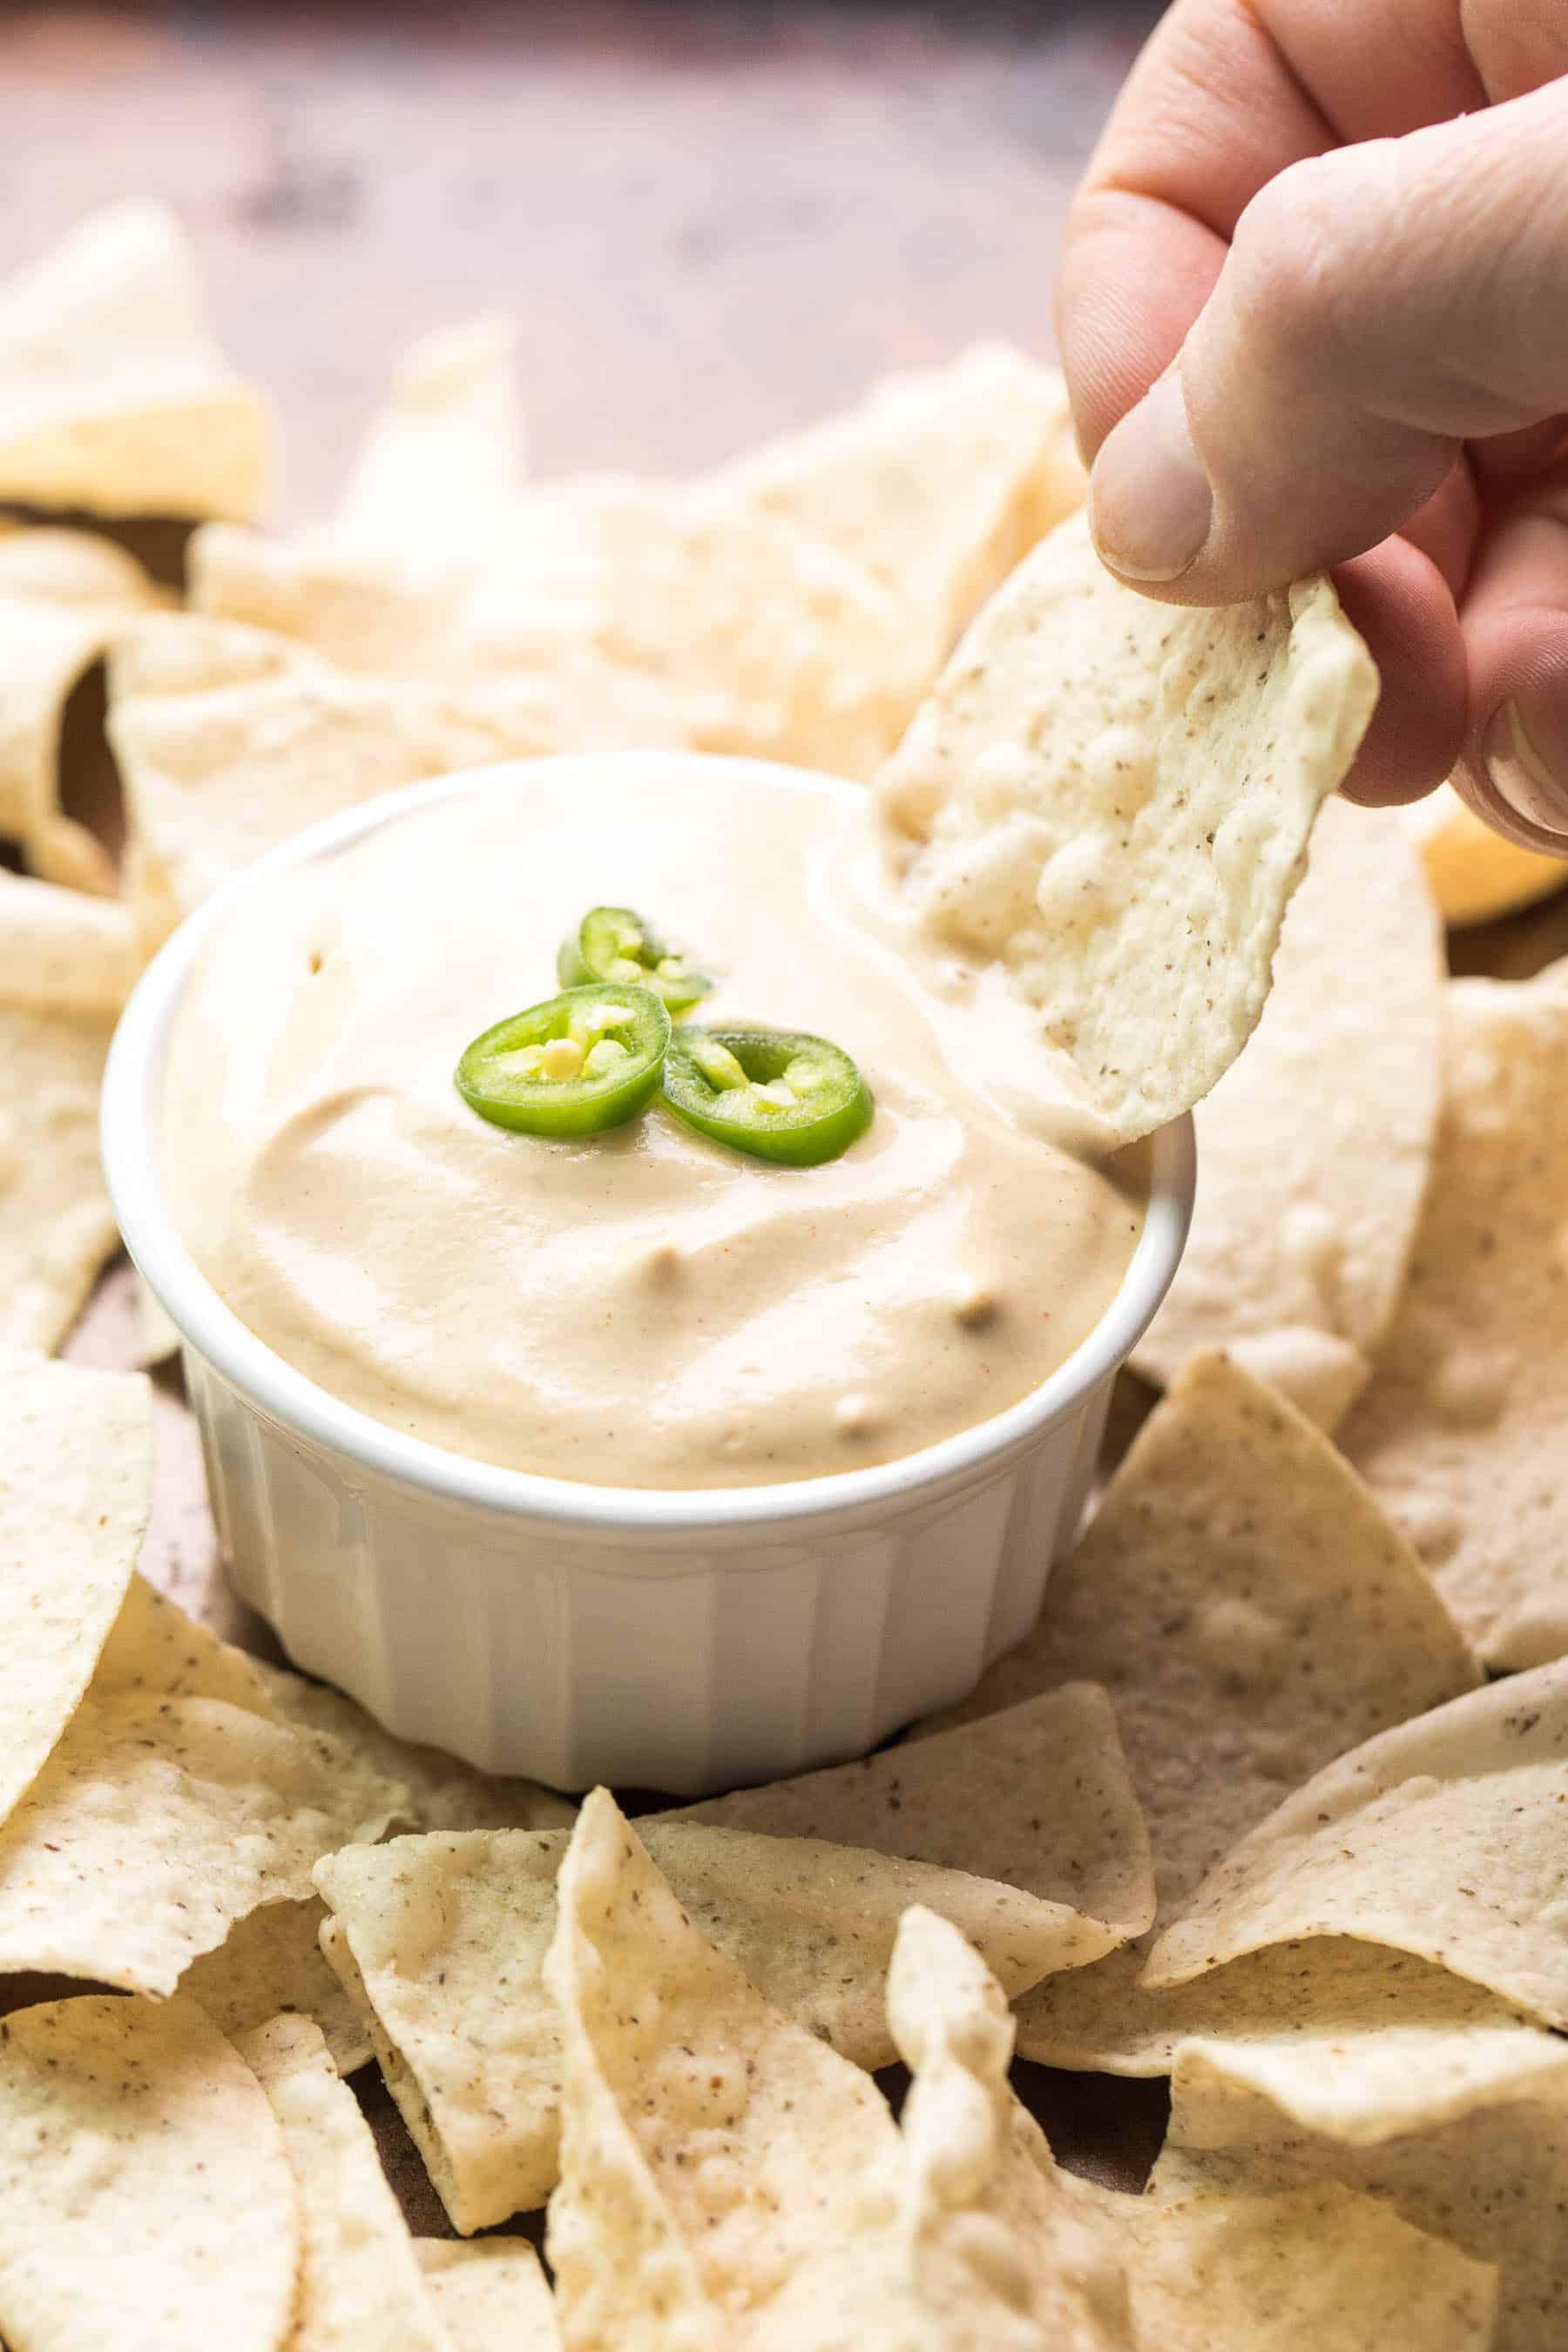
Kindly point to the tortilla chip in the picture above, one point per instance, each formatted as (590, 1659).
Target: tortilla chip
(76, 1494)
(1292, 1620)
(66, 963)
(1113, 798)
(780, 1906)
(141, 2174)
(270, 1963)
(56, 1228)
(157, 1337)
(1435, 2051)
(1474, 875)
(1038, 1797)
(360, 608)
(1491, 2178)
(157, 1822)
(157, 1651)
(708, 2142)
(447, 1937)
(443, 1793)
(63, 951)
(939, 482)
(989, 2233)
(155, 1647)
(360, 2281)
(773, 642)
(1297, 2272)
(1463, 1434)
(63, 595)
(230, 741)
(1314, 1148)
(445, 458)
(492, 2296)
(113, 395)
(435, 487)
(1343, 2000)
(1442, 1837)
(1252, 1615)
(1214, 2275)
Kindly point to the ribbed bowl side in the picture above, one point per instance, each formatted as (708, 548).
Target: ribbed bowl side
(571, 1661)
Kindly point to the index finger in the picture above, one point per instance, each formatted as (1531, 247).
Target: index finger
(1225, 96)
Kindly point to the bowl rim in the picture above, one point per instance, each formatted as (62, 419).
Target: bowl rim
(131, 1120)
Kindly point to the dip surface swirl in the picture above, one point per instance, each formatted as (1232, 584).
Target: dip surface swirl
(641, 1307)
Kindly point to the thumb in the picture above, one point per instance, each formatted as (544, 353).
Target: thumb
(1379, 306)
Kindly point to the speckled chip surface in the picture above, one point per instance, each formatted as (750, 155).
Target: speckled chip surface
(1464, 1432)
(1112, 798)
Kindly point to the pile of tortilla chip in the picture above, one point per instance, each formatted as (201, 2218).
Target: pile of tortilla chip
(290, 2008)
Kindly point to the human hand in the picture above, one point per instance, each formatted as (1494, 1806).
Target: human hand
(1313, 306)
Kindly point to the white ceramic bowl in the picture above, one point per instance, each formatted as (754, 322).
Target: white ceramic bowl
(686, 1641)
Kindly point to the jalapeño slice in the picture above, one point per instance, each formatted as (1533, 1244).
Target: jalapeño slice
(614, 943)
(770, 1092)
(581, 1061)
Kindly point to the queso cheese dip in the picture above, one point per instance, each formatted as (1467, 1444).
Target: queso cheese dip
(643, 1306)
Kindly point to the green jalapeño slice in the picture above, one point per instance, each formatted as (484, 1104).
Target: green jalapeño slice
(581, 1062)
(770, 1092)
(614, 943)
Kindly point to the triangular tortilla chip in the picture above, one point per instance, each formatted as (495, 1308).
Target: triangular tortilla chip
(1442, 1837)
(1212, 2274)
(1252, 1615)
(939, 481)
(1431, 2057)
(446, 1938)
(1314, 1148)
(435, 489)
(1329, 1995)
(57, 968)
(1464, 1430)
(667, 2049)
(113, 395)
(63, 595)
(230, 740)
(76, 1494)
(445, 1793)
(156, 1822)
(270, 1960)
(446, 454)
(359, 2280)
(1297, 2272)
(1112, 798)
(157, 1651)
(1038, 1797)
(61, 951)
(1475, 873)
(1490, 2175)
(155, 1647)
(144, 2195)
(490, 2297)
(773, 642)
(270, 1963)
(56, 1228)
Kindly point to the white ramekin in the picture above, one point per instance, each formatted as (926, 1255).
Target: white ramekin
(684, 1642)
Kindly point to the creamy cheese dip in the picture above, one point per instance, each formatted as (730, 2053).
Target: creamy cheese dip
(642, 1308)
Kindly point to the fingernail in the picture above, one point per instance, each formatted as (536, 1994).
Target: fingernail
(1528, 791)
(1150, 504)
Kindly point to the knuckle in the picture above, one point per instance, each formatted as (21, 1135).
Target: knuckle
(1299, 261)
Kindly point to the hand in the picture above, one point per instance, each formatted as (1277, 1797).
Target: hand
(1314, 302)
